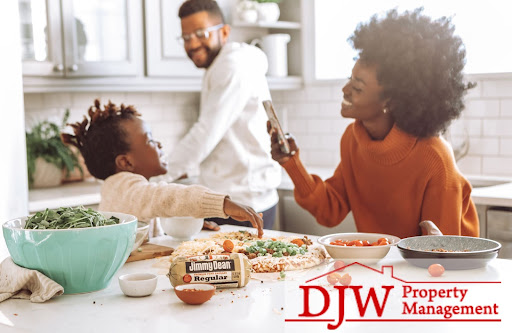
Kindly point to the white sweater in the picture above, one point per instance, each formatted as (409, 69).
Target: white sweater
(130, 193)
(229, 141)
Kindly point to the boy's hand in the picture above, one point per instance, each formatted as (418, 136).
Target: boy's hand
(241, 212)
(277, 153)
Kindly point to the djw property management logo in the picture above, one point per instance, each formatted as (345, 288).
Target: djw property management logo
(392, 299)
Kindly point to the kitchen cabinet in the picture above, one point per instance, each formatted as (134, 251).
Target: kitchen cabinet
(73, 38)
(167, 58)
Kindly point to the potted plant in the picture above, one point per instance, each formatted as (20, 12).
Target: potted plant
(47, 155)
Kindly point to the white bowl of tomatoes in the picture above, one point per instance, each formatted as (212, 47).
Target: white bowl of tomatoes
(358, 246)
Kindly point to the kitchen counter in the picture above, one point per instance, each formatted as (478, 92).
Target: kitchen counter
(261, 306)
(67, 195)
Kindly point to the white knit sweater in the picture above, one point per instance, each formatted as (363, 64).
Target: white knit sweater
(130, 193)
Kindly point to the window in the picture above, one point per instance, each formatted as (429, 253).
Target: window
(484, 27)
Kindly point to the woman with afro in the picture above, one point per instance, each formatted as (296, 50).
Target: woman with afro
(397, 175)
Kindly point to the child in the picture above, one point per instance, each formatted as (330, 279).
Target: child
(118, 147)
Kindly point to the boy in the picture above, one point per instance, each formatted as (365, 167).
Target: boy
(118, 147)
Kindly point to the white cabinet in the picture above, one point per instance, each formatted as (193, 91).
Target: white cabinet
(76, 38)
(165, 56)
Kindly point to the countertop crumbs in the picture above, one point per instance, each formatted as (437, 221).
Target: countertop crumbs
(93, 302)
(276, 311)
(16, 314)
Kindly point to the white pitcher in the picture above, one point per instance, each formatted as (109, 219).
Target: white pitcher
(275, 47)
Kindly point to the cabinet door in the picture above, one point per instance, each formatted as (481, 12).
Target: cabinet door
(41, 38)
(102, 38)
(165, 55)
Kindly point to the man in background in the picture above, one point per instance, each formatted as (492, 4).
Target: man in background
(229, 141)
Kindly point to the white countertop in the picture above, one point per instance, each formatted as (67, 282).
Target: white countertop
(258, 307)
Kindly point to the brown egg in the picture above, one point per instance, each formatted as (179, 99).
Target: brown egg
(195, 293)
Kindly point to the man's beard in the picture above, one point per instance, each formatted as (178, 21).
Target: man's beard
(211, 55)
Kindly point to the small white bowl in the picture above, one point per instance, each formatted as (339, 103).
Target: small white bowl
(181, 227)
(142, 234)
(138, 284)
(358, 253)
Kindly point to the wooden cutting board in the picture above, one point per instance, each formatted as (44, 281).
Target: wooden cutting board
(149, 251)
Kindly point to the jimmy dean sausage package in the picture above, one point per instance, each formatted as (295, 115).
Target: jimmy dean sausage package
(222, 270)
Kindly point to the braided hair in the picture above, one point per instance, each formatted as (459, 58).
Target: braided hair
(102, 138)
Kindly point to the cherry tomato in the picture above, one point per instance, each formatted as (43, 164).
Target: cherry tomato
(333, 278)
(345, 280)
(339, 264)
(436, 270)
(228, 245)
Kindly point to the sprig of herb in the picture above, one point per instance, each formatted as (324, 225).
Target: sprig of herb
(68, 218)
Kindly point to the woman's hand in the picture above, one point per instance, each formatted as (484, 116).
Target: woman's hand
(277, 153)
(429, 228)
(241, 212)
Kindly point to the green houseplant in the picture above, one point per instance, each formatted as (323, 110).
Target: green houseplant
(43, 141)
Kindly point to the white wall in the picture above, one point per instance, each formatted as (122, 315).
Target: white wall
(313, 116)
(13, 169)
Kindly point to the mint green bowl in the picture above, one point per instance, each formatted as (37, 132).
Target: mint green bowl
(80, 260)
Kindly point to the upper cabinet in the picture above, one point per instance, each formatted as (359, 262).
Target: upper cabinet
(75, 38)
(76, 45)
(165, 56)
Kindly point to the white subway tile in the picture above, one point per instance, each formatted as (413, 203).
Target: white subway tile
(318, 94)
(482, 108)
(473, 127)
(329, 110)
(151, 112)
(137, 99)
(470, 165)
(58, 100)
(319, 126)
(294, 96)
(506, 108)
(33, 101)
(84, 100)
(487, 147)
(322, 158)
(162, 98)
(117, 98)
(298, 126)
(497, 88)
(499, 166)
(497, 127)
(505, 147)
(330, 142)
(307, 142)
(303, 110)
(187, 98)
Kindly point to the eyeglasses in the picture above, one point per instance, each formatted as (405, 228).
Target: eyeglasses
(202, 34)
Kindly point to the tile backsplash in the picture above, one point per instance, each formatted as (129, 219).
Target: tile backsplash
(312, 115)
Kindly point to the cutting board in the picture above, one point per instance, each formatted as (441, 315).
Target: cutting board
(149, 251)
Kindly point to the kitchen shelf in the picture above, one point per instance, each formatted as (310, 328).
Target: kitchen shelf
(269, 25)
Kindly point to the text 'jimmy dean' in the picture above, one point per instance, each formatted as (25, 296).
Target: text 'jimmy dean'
(210, 266)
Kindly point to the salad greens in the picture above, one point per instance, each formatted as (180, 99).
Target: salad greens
(67, 218)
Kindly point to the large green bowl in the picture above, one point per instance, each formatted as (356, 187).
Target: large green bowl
(80, 260)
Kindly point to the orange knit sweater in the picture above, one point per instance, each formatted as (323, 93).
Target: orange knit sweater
(389, 185)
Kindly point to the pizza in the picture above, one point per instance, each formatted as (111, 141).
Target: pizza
(266, 255)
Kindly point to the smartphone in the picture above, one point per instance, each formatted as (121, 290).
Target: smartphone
(274, 122)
